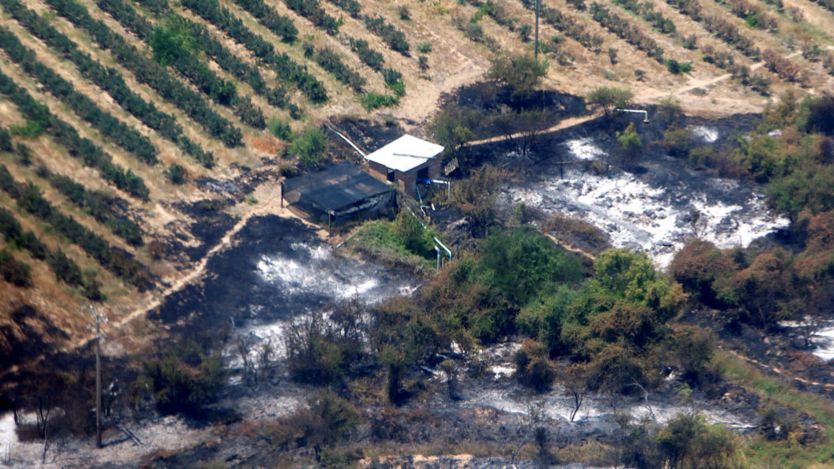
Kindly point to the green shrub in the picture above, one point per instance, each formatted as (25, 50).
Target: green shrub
(373, 100)
(177, 174)
(310, 147)
(30, 129)
(280, 129)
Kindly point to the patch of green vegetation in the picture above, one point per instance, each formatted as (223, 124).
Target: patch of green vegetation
(372, 100)
(310, 147)
(762, 452)
(403, 240)
(30, 129)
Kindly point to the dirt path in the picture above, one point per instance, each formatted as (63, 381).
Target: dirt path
(269, 206)
(564, 124)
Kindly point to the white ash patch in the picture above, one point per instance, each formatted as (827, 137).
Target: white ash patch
(585, 149)
(655, 220)
(704, 133)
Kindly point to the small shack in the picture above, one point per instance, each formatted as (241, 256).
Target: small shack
(405, 162)
(339, 193)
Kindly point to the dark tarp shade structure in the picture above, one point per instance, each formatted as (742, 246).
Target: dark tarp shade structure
(340, 191)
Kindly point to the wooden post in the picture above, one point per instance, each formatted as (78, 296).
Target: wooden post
(538, 7)
(98, 378)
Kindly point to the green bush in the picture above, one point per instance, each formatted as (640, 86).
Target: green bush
(310, 147)
(373, 100)
(177, 174)
(280, 129)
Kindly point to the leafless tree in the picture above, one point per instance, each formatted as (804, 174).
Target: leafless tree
(576, 387)
(535, 416)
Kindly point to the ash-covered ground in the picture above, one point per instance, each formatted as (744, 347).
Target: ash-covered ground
(654, 206)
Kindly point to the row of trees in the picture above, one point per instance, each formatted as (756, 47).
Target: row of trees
(278, 24)
(79, 147)
(118, 261)
(331, 61)
(286, 68)
(120, 133)
(14, 271)
(64, 268)
(752, 14)
(572, 27)
(725, 30)
(389, 33)
(150, 73)
(173, 45)
(784, 67)
(178, 34)
(725, 60)
(108, 79)
(625, 30)
(648, 11)
(312, 10)
(104, 207)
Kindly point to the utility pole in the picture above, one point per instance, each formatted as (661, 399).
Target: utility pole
(98, 375)
(538, 8)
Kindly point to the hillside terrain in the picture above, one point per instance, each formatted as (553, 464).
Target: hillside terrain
(140, 138)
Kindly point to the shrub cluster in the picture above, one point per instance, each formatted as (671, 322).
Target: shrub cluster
(183, 380)
(286, 68)
(312, 10)
(88, 152)
(173, 45)
(627, 31)
(568, 25)
(650, 14)
(116, 260)
(752, 14)
(109, 80)
(117, 131)
(150, 73)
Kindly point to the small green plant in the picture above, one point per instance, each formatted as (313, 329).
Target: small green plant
(372, 100)
(177, 174)
(30, 129)
(405, 14)
(524, 32)
(424, 47)
(424, 63)
(280, 129)
(678, 67)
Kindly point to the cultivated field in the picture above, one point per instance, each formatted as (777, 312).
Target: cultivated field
(132, 133)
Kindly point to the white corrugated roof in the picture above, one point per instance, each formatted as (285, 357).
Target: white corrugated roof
(405, 153)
